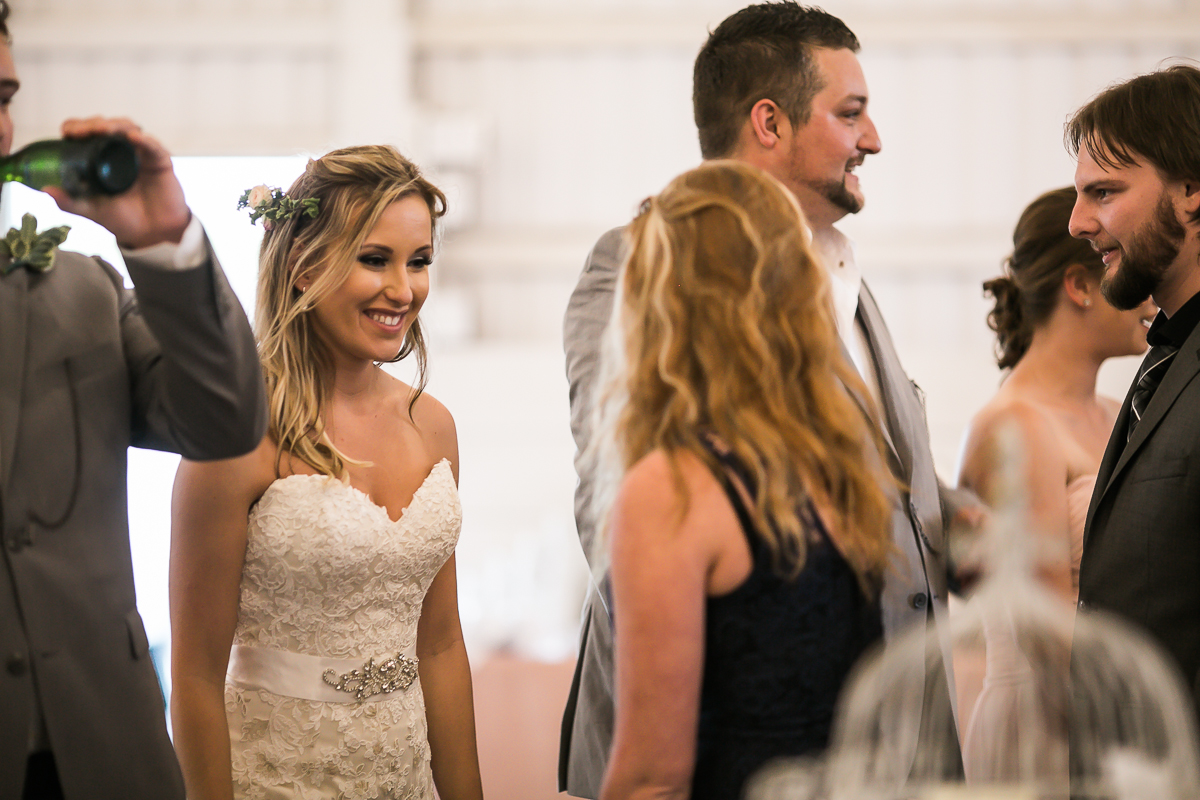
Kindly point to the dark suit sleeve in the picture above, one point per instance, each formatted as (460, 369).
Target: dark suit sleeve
(195, 381)
(587, 316)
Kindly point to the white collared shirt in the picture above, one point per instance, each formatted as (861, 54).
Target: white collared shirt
(836, 251)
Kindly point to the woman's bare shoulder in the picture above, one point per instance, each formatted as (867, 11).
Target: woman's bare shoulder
(1009, 424)
(672, 505)
(433, 421)
(1011, 412)
(429, 412)
(665, 486)
(660, 468)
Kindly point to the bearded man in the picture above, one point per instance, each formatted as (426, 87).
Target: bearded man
(1138, 181)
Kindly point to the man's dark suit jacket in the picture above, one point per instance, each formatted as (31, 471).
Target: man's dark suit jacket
(1141, 548)
(88, 368)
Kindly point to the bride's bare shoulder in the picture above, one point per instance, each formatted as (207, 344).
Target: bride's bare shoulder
(433, 422)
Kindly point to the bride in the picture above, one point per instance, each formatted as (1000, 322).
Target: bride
(317, 650)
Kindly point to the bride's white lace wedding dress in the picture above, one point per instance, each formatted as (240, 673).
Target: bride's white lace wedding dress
(322, 696)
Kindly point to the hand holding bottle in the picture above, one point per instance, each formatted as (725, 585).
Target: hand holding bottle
(153, 210)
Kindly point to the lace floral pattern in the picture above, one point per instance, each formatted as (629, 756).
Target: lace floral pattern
(329, 574)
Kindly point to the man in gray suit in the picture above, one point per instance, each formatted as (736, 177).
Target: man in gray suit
(1138, 182)
(88, 368)
(777, 85)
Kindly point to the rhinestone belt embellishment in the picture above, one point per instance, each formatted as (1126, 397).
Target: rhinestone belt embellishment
(395, 673)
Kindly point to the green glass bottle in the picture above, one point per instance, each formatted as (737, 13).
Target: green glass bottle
(82, 167)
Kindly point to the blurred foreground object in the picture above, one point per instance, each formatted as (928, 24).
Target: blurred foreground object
(1081, 706)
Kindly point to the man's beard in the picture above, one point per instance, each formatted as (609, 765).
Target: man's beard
(837, 194)
(1146, 259)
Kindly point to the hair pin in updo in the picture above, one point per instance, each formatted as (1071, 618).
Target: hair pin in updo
(270, 204)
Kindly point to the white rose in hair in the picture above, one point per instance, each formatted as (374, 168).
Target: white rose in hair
(258, 195)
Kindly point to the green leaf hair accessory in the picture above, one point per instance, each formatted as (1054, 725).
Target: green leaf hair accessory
(270, 204)
(30, 249)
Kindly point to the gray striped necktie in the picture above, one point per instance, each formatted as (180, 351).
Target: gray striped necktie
(1154, 367)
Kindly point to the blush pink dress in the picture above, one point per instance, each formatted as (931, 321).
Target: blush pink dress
(1010, 734)
(1079, 497)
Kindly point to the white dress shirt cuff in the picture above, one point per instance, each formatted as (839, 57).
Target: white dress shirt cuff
(188, 254)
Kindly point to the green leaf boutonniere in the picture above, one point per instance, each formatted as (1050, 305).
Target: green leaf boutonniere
(31, 249)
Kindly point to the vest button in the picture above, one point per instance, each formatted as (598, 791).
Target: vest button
(16, 664)
(918, 601)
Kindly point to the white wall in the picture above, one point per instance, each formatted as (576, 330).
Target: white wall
(547, 121)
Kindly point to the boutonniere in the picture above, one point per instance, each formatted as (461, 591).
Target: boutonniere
(30, 249)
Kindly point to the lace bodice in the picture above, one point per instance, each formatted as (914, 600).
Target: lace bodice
(328, 574)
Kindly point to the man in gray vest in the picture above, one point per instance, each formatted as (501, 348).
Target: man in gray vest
(779, 86)
(88, 368)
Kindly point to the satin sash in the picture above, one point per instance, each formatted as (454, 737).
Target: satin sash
(298, 675)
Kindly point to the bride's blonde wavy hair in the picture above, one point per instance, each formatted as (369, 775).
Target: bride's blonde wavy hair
(354, 186)
(723, 328)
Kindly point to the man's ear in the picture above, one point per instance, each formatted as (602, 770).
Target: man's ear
(768, 124)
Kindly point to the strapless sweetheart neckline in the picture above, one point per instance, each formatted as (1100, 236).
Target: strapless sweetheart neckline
(354, 490)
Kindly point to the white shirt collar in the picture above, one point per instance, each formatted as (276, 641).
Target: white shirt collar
(836, 251)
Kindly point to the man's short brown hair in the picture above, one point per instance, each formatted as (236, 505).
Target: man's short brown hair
(1153, 117)
(762, 52)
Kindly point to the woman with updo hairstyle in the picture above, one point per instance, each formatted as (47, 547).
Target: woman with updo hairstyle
(748, 532)
(316, 644)
(1053, 331)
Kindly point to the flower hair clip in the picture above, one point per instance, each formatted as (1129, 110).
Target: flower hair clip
(271, 205)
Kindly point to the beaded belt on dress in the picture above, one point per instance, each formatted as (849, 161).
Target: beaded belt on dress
(323, 680)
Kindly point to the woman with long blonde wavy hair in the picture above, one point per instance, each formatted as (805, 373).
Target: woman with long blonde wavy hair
(749, 531)
(317, 650)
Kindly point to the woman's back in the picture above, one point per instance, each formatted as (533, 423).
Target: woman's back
(777, 652)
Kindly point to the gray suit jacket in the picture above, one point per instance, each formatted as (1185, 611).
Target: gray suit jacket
(916, 584)
(1141, 546)
(88, 368)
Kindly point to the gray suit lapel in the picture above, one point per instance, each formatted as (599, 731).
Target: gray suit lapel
(894, 385)
(869, 410)
(14, 311)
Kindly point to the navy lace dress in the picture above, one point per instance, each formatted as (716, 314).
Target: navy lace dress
(777, 651)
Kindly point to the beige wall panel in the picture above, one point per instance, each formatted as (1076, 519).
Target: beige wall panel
(549, 120)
